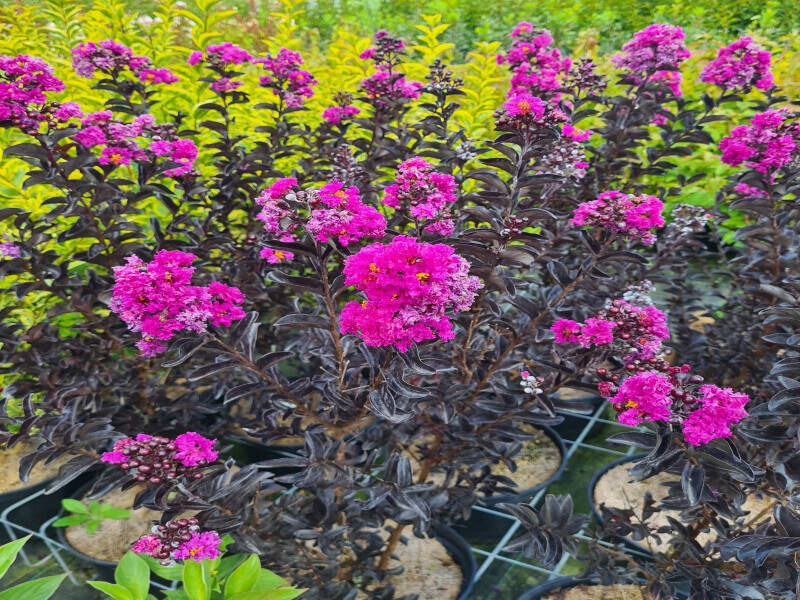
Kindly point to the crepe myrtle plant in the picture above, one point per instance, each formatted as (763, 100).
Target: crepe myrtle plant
(722, 450)
(378, 286)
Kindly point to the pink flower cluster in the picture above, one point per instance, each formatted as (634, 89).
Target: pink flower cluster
(180, 539)
(121, 147)
(654, 48)
(158, 299)
(643, 396)
(24, 83)
(424, 193)
(636, 331)
(347, 218)
(158, 459)
(9, 249)
(720, 408)
(220, 55)
(337, 114)
(739, 67)
(332, 212)
(627, 214)
(110, 57)
(536, 66)
(387, 89)
(386, 53)
(768, 143)
(286, 79)
(409, 288)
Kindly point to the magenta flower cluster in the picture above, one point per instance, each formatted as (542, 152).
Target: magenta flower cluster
(424, 193)
(332, 211)
(180, 539)
(336, 114)
(719, 409)
(286, 79)
(410, 288)
(739, 67)
(346, 217)
(219, 57)
(121, 146)
(767, 144)
(157, 459)
(654, 48)
(636, 331)
(111, 58)
(536, 66)
(386, 88)
(158, 299)
(644, 396)
(631, 216)
(9, 249)
(24, 83)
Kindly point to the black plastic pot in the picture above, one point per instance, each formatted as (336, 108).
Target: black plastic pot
(590, 492)
(560, 583)
(34, 513)
(528, 493)
(462, 554)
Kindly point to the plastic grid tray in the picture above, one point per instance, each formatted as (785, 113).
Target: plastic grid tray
(501, 575)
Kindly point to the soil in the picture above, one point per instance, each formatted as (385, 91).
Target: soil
(9, 468)
(428, 570)
(598, 592)
(539, 459)
(614, 489)
(114, 537)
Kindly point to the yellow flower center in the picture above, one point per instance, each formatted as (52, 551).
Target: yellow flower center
(423, 277)
(194, 552)
(116, 158)
(524, 106)
(279, 255)
(374, 268)
(631, 404)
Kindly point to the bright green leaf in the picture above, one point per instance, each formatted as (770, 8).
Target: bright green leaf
(8, 553)
(38, 589)
(267, 580)
(112, 512)
(74, 506)
(117, 592)
(134, 574)
(94, 507)
(244, 578)
(71, 520)
(284, 594)
(194, 581)
(92, 526)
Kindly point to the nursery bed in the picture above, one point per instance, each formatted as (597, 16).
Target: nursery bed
(501, 575)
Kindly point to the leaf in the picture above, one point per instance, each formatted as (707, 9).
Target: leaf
(692, 481)
(133, 573)
(244, 578)
(70, 520)
(8, 553)
(38, 589)
(194, 581)
(111, 589)
(267, 580)
(112, 512)
(74, 506)
(92, 527)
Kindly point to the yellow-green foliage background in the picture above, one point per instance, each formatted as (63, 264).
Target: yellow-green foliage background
(167, 31)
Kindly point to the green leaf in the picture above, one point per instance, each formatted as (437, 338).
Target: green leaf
(92, 526)
(71, 520)
(228, 565)
(284, 594)
(74, 506)
(244, 578)
(175, 595)
(133, 574)
(267, 580)
(111, 589)
(8, 553)
(112, 512)
(173, 573)
(94, 507)
(195, 581)
(38, 589)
